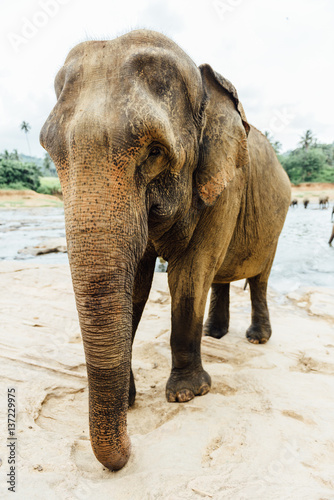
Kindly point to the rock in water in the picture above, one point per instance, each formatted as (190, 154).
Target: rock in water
(51, 245)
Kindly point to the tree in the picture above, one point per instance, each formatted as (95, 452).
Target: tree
(312, 161)
(304, 165)
(10, 156)
(26, 128)
(5, 155)
(15, 155)
(275, 144)
(307, 140)
(328, 151)
(17, 175)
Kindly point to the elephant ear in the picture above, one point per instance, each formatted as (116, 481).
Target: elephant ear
(224, 145)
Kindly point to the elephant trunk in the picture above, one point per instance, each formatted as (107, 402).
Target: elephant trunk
(104, 250)
(105, 321)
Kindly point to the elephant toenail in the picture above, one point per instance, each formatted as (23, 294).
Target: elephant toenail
(171, 398)
(204, 389)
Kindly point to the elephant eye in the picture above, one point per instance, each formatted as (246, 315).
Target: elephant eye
(155, 151)
(156, 160)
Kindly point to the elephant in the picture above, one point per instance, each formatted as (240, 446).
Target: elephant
(331, 237)
(294, 203)
(306, 201)
(323, 202)
(156, 158)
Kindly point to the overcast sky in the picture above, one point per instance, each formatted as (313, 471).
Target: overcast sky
(277, 53)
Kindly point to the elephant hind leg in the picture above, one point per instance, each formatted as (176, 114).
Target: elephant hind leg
(141, 291)
(219, 315)
(259, 331)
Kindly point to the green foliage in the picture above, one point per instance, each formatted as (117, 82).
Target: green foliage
(49, 185)
(311, 163)
(15, 186)
(326, 175)
(328, 151)
(302, 165)
(14, 155)
(17, 175)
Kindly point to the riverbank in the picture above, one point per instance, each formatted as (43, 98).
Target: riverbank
(28, 198)
(264, 431)
(313, 191)
(10, 198)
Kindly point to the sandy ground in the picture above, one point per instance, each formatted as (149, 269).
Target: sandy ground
(265, 431)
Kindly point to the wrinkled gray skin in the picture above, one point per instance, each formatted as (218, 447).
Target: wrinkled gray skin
(155, 157)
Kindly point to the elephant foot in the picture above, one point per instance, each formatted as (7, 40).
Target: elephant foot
(132, 390)
(257, 334)
(183, 386)
(215, 331)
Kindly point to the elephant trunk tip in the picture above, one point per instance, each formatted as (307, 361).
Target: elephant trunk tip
(116, 459)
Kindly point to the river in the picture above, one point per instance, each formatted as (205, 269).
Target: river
(303, 256)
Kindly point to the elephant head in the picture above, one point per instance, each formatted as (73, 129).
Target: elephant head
(138, 132)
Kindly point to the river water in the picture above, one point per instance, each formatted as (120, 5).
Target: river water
(303, 256)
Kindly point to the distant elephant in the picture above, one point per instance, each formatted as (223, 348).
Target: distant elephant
(156, 158)
(323, 202)
(306, 202)
(332, 236)
(294, 203)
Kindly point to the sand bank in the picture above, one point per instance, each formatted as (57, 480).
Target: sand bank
(313, 191)
(265, 430)
(21, 199)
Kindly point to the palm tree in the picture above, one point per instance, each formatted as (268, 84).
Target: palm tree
(307, 140)
(15, 155)
(5, 155)
(275, 144)
(26, 127)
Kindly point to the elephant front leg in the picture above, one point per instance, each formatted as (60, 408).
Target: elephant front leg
(188, 378)
(260, 330)
(219, 314)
